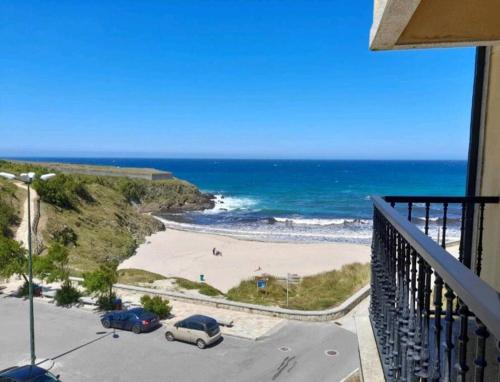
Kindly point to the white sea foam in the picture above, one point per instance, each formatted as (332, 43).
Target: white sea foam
(231, 203)
(432, 219)
(270, 235)
(320, 222)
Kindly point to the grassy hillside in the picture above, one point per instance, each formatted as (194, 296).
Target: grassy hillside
(100, 218)
(11, 199)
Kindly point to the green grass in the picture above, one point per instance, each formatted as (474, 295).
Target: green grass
(317, 292)
(202, 288)
(11, 199)
(138, 276)
(107, 229)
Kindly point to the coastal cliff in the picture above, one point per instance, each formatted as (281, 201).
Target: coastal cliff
(101, 218)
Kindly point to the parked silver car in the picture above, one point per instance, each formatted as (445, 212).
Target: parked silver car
(197, 329)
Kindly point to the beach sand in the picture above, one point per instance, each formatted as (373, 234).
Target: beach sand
(189, 254)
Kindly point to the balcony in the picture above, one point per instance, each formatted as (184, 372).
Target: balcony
(432, 316)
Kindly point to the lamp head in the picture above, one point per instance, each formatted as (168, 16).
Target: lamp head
(7, 175)
(47, 176)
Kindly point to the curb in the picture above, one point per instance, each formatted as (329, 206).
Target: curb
(292, 314)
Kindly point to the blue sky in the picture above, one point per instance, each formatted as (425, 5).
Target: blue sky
(228, 79)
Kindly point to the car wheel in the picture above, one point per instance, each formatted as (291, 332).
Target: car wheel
(136, 329)
(201, 344)
(106, 324)
(169, 336)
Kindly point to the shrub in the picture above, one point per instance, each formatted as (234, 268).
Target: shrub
(67, 295)
(106, 302)
(132, 191)
(100, 281)
(8, 214)
(156, 305)
(23, 290)
(65, 236)
(208, 290)
(202, 288)
(63, 191)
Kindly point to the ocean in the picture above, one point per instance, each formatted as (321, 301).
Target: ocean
(300, 200)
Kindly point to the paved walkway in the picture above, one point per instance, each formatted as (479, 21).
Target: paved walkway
(348, 322)
(22, 231)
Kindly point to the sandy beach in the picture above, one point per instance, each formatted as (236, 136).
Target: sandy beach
(189, 254)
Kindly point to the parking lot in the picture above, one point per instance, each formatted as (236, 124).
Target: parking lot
(83, 350)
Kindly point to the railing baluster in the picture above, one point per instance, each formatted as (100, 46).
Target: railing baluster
(404, 314)
(445, 221)
(480, 358)
(480, 240)
(462, 225)
(438, 293)
(396, 332)
(412, 319)
(450, 296)
(425, 354)
(420, 309)
(463, 338)
(427, 208)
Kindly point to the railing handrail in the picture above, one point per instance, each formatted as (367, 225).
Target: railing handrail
(481, 299)
(440, 199)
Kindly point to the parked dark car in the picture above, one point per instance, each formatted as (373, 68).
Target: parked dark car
(27, 373)
(137, 319)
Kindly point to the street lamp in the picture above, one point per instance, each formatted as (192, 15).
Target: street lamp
(28, 178)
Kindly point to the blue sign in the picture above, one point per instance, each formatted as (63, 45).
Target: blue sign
(261, 284)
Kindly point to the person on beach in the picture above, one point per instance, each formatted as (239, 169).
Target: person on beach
(214, 251)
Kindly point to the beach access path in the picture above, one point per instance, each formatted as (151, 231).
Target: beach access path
(22, 231)
(175, 253)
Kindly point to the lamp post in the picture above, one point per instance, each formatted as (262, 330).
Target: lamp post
(28, 178)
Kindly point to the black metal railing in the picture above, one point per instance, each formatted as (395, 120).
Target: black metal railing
(427, 306)
(461, 209)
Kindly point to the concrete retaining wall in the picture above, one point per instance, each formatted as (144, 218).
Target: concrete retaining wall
(292, 314)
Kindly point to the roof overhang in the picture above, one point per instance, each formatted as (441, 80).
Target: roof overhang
(403, 24)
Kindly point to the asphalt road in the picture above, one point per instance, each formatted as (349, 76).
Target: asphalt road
(84, 351)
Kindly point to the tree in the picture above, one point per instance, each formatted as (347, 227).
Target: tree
(13, 259)
(101, 281)
(54, 266)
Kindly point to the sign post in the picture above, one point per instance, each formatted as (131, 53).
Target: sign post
(261, 283)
